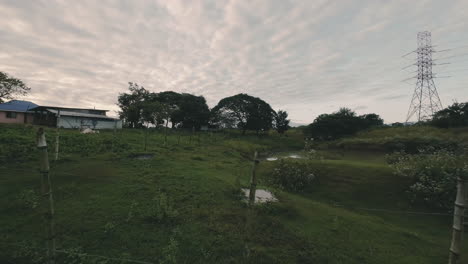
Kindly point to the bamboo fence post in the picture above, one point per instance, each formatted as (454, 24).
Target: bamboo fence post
(190, 138)
(458, 214)
(46, 192)
(57, 137)
(146, 136)
(114, 135)
(165, 132)
(465, 226)
(253, 180)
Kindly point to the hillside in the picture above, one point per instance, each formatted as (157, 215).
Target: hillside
(181, 203)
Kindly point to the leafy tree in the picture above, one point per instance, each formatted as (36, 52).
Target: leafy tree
(131, 105)
(342, 123)
(10, 87)
(192, 111)
(281, 121)
(455, 115)
(371, 120)
(247, 112)
(153, 112)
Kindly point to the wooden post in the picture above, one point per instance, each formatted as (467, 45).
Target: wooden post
(465, 226)
(146, 136)
(46, 192)
(458, 214)
(193, 130)
(114, 135)
(57, 137)
(253, 180)
(165, 132)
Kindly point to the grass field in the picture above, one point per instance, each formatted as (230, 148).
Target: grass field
(184, 204)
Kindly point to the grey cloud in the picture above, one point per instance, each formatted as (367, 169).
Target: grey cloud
(307, 57)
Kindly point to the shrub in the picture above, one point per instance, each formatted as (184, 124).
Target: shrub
(291, 175)
(435, 174)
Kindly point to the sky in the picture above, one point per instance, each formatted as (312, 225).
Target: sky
(305, 57)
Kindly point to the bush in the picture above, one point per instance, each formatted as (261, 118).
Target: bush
(435, 174)
(291, 175)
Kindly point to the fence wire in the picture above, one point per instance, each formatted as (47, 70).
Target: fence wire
(86, 255)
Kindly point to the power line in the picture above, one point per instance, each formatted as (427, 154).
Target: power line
(104, 257)
(81, 254)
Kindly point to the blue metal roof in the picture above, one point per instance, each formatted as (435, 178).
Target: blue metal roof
(17, 106)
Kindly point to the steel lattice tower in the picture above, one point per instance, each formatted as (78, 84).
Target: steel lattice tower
(425, 101)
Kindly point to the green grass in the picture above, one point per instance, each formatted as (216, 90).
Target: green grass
(410, 139)
(103, 196)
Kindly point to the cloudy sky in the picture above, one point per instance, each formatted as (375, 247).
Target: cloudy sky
(306, 57)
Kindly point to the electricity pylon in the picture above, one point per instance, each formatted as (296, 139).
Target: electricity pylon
(425, 101)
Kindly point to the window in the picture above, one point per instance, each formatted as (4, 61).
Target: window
(11, 115)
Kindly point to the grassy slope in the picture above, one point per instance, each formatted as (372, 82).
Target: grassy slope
(98, 189)
(407, 138)
(331, 214)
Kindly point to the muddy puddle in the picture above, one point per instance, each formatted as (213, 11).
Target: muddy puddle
(143, 156)
(285, 156)
(261, 195)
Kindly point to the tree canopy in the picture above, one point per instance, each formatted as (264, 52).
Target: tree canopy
(11, 87)
(281, 121)
(341, 123)
(455, 115)
(244, 112)
(131, 105)
(182, 110)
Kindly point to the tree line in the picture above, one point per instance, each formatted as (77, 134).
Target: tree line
(140, 108)
(346, 122)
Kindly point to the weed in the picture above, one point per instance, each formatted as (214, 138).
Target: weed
(170, 252)
(131, 211)
(109, 227)
(29, 199)
(161, 209)
(291, 175)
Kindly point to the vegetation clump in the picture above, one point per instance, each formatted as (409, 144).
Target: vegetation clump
(434, 172)
(161, 209)
(455, 115)
(28, 198)
(292, 175)
(344, 122)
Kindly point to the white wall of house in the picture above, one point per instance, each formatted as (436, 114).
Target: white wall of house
(84, 122)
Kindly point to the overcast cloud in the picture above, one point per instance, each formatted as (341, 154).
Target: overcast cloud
(306, 57)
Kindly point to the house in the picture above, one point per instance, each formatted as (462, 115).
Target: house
(81, 118)
(17, 112)
(54, 116)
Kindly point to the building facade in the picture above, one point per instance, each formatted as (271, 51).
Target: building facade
(16, 112)
(80, 118)
(23, 112)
